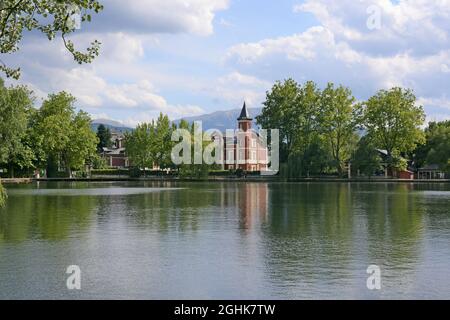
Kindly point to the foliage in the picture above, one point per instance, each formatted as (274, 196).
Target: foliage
(52, 18)
(338, 123)
(140, 147)
(104, 137)
(278, 111)
(98, 162)
(150, 144)
(312, 161)
(393, 121)
(15, 108)
(192, 170)
(163, 141)
(64, 136)
(82, 142)
(436, 150)
(366, 158)
(110, 172)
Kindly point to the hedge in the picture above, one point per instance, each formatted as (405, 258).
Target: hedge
(110, 172)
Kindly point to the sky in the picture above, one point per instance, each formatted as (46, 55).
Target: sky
(189, 57)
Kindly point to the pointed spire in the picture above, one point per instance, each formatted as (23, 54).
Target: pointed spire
(245, 115)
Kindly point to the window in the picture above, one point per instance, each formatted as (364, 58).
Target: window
(230, 157)
(241, 155)
(253, 143)
(253, 156)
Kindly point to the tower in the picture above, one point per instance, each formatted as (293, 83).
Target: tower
(244, 137)
(244, 120)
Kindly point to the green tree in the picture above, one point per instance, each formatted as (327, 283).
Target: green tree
(104, 137)
(337, 123)
(162, 142)
(294, 110)
(193, 170)
(140, 146)
(366, 160)
(52, 18)
(393, 122)
(65, 136)
(277, 113)
(16, 104)
(436, 150)
(82, 145)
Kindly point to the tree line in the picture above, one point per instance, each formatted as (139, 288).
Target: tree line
(53, 137)
(150, 145)
(324, 130)
(321, 132)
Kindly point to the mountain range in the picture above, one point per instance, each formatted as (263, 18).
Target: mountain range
(220, 120)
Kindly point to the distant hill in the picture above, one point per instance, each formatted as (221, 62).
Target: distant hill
(221, 120)
(114, 126)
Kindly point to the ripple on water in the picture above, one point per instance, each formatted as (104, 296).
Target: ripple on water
(88, 192)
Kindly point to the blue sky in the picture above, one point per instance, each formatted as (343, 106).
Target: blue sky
(187, 57)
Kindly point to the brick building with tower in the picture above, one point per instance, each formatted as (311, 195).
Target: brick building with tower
(245, 149)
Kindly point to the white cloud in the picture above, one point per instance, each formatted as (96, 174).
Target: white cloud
(305, 45)
(411, 49)
(156, 16)
(236, 87)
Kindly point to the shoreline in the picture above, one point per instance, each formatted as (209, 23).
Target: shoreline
(7, 181)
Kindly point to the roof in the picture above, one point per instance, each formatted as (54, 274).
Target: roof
(382, 151)
(245, 115)
(117, 151)
(431, 167)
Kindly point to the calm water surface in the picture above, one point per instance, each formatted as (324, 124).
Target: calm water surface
(225, 240)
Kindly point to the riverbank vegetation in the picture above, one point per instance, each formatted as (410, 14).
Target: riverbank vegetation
(324, 131)
(53, 137)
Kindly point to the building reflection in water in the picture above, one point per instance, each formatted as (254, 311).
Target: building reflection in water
(250, 200)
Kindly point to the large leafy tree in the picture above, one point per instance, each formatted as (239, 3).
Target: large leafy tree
(82, 145)
(337, 121)
(294, 110)
(16, 105)
(277, 113)
(192, 170)
(140, 146)
(162, 141)
(436, 150)
(150, 144)
(393, 122)
(51, 17)
(366, 160)
(65, 136)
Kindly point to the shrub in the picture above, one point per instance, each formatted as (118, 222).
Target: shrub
(221, 173)
(111, 172)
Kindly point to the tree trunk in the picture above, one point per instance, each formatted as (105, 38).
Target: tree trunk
(11, 171)
(69, 172)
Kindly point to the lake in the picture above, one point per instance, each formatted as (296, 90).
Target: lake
(174, 240)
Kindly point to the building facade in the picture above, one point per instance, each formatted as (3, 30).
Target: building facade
(245, 149)
(115, 157)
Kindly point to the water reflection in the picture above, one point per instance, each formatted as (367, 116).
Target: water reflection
(275, 240)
